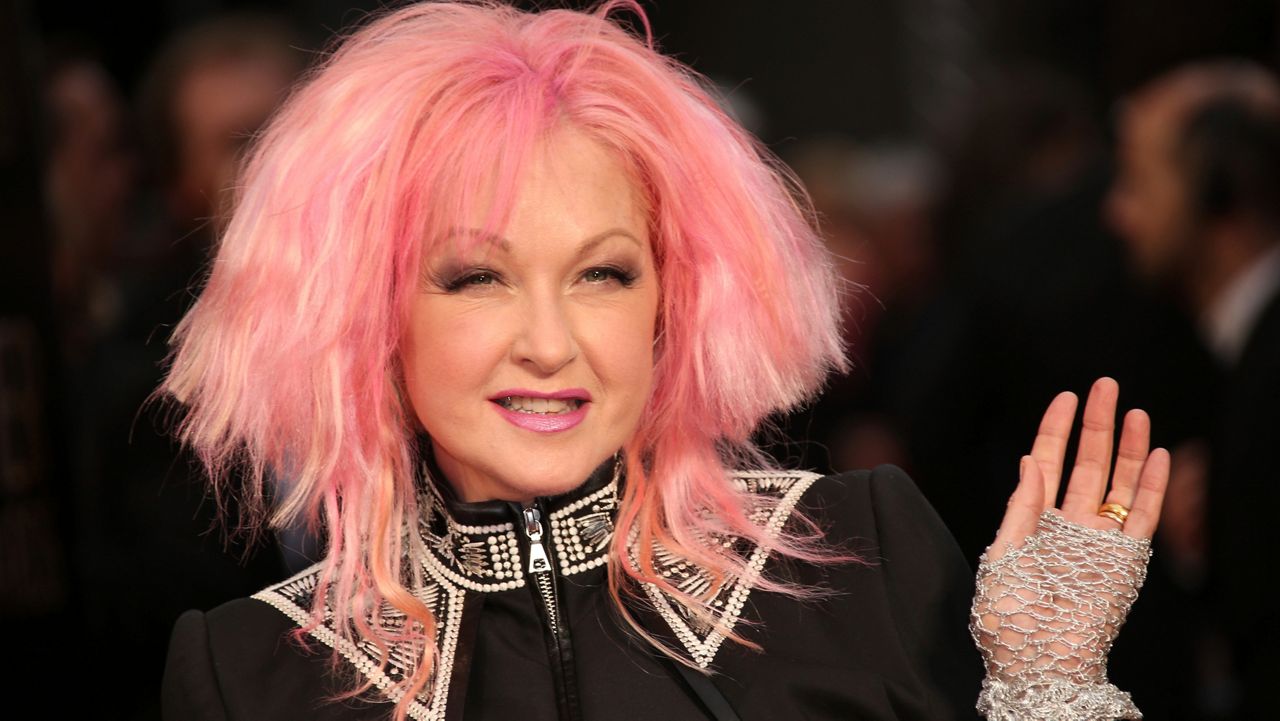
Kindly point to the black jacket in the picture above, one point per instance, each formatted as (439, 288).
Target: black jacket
(1243, 493)
(892, 643)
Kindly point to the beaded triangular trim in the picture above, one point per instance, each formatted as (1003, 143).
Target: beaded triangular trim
(702, 637)
(295, 597)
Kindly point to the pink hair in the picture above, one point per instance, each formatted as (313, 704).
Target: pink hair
(288, 362)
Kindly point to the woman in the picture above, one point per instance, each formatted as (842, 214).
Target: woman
(505, 296)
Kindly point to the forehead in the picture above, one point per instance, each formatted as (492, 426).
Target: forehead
(570, 165)
(569, 189)
(1155, 117)
(1147, 128)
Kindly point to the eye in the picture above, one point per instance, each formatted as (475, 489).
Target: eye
(483, 278)
(471, 279)
(609, 274)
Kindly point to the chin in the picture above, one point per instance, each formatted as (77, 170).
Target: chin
(553, 475)
(556, 486)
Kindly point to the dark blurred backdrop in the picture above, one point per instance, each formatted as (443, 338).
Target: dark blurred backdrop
(965, 156)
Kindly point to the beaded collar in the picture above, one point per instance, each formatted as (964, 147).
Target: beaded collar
(475, 545)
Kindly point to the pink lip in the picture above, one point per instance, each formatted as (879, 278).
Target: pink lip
(540, 423)
(568, 393)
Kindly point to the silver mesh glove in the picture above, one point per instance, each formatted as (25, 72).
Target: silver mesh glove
(1044, 617)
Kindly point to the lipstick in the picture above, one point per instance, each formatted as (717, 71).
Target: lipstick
(527, 409)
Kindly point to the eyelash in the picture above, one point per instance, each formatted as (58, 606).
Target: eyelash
(625, 278)
(467, 279)
(481, 277)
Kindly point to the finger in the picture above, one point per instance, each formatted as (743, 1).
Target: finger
(1145, 514)
(1093, 460)
(1023, 512)
(1050, 446)
(1135, 440)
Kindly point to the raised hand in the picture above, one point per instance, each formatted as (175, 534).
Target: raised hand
(1055, 586)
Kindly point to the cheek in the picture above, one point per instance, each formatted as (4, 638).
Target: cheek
(1141, 210)
(447, 355)
(1169, 214)
(622, 347)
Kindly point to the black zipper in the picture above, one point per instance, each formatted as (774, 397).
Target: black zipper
(544, 583)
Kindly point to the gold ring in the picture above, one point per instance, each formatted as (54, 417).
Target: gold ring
(1114, 511)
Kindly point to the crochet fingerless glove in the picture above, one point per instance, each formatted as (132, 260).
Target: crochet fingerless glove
(1044, 617)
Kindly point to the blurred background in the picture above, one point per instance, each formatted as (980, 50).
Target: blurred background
(1024, 196)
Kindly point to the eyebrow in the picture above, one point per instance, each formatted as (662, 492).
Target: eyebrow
(588, 245)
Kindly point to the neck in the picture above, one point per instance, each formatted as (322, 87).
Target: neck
(458, 501)
(1227, 254)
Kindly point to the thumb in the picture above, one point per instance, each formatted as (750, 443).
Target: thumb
(1023, 512)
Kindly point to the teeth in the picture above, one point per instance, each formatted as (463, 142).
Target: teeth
(545, 406)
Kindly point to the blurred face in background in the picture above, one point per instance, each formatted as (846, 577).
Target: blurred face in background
(90, 174)
(529, 357)
(218, 106)
(1148, 205)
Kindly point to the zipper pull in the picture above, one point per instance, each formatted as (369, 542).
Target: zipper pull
(538, 561)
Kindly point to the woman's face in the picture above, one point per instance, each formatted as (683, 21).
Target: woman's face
(529, 357)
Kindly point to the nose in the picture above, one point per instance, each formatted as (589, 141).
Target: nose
(546, 341)
(1116, 209)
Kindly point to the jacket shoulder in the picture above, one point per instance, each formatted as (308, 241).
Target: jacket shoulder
(910, 580)
(247, 659)
(238, 660)
(864, 503)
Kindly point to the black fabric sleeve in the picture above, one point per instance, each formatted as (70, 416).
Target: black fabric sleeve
(890, 640)
(239, 662)
(190, 691)
(930, 589)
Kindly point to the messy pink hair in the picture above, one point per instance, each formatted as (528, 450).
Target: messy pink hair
(288, 362)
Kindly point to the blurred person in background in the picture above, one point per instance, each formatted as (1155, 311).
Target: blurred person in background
(1197, 201)
(34, 588)
(208, 93)
(132, 230)
(875, 205)
(1025, 264)
(209, 90)
(91, 174)
(90, 188)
